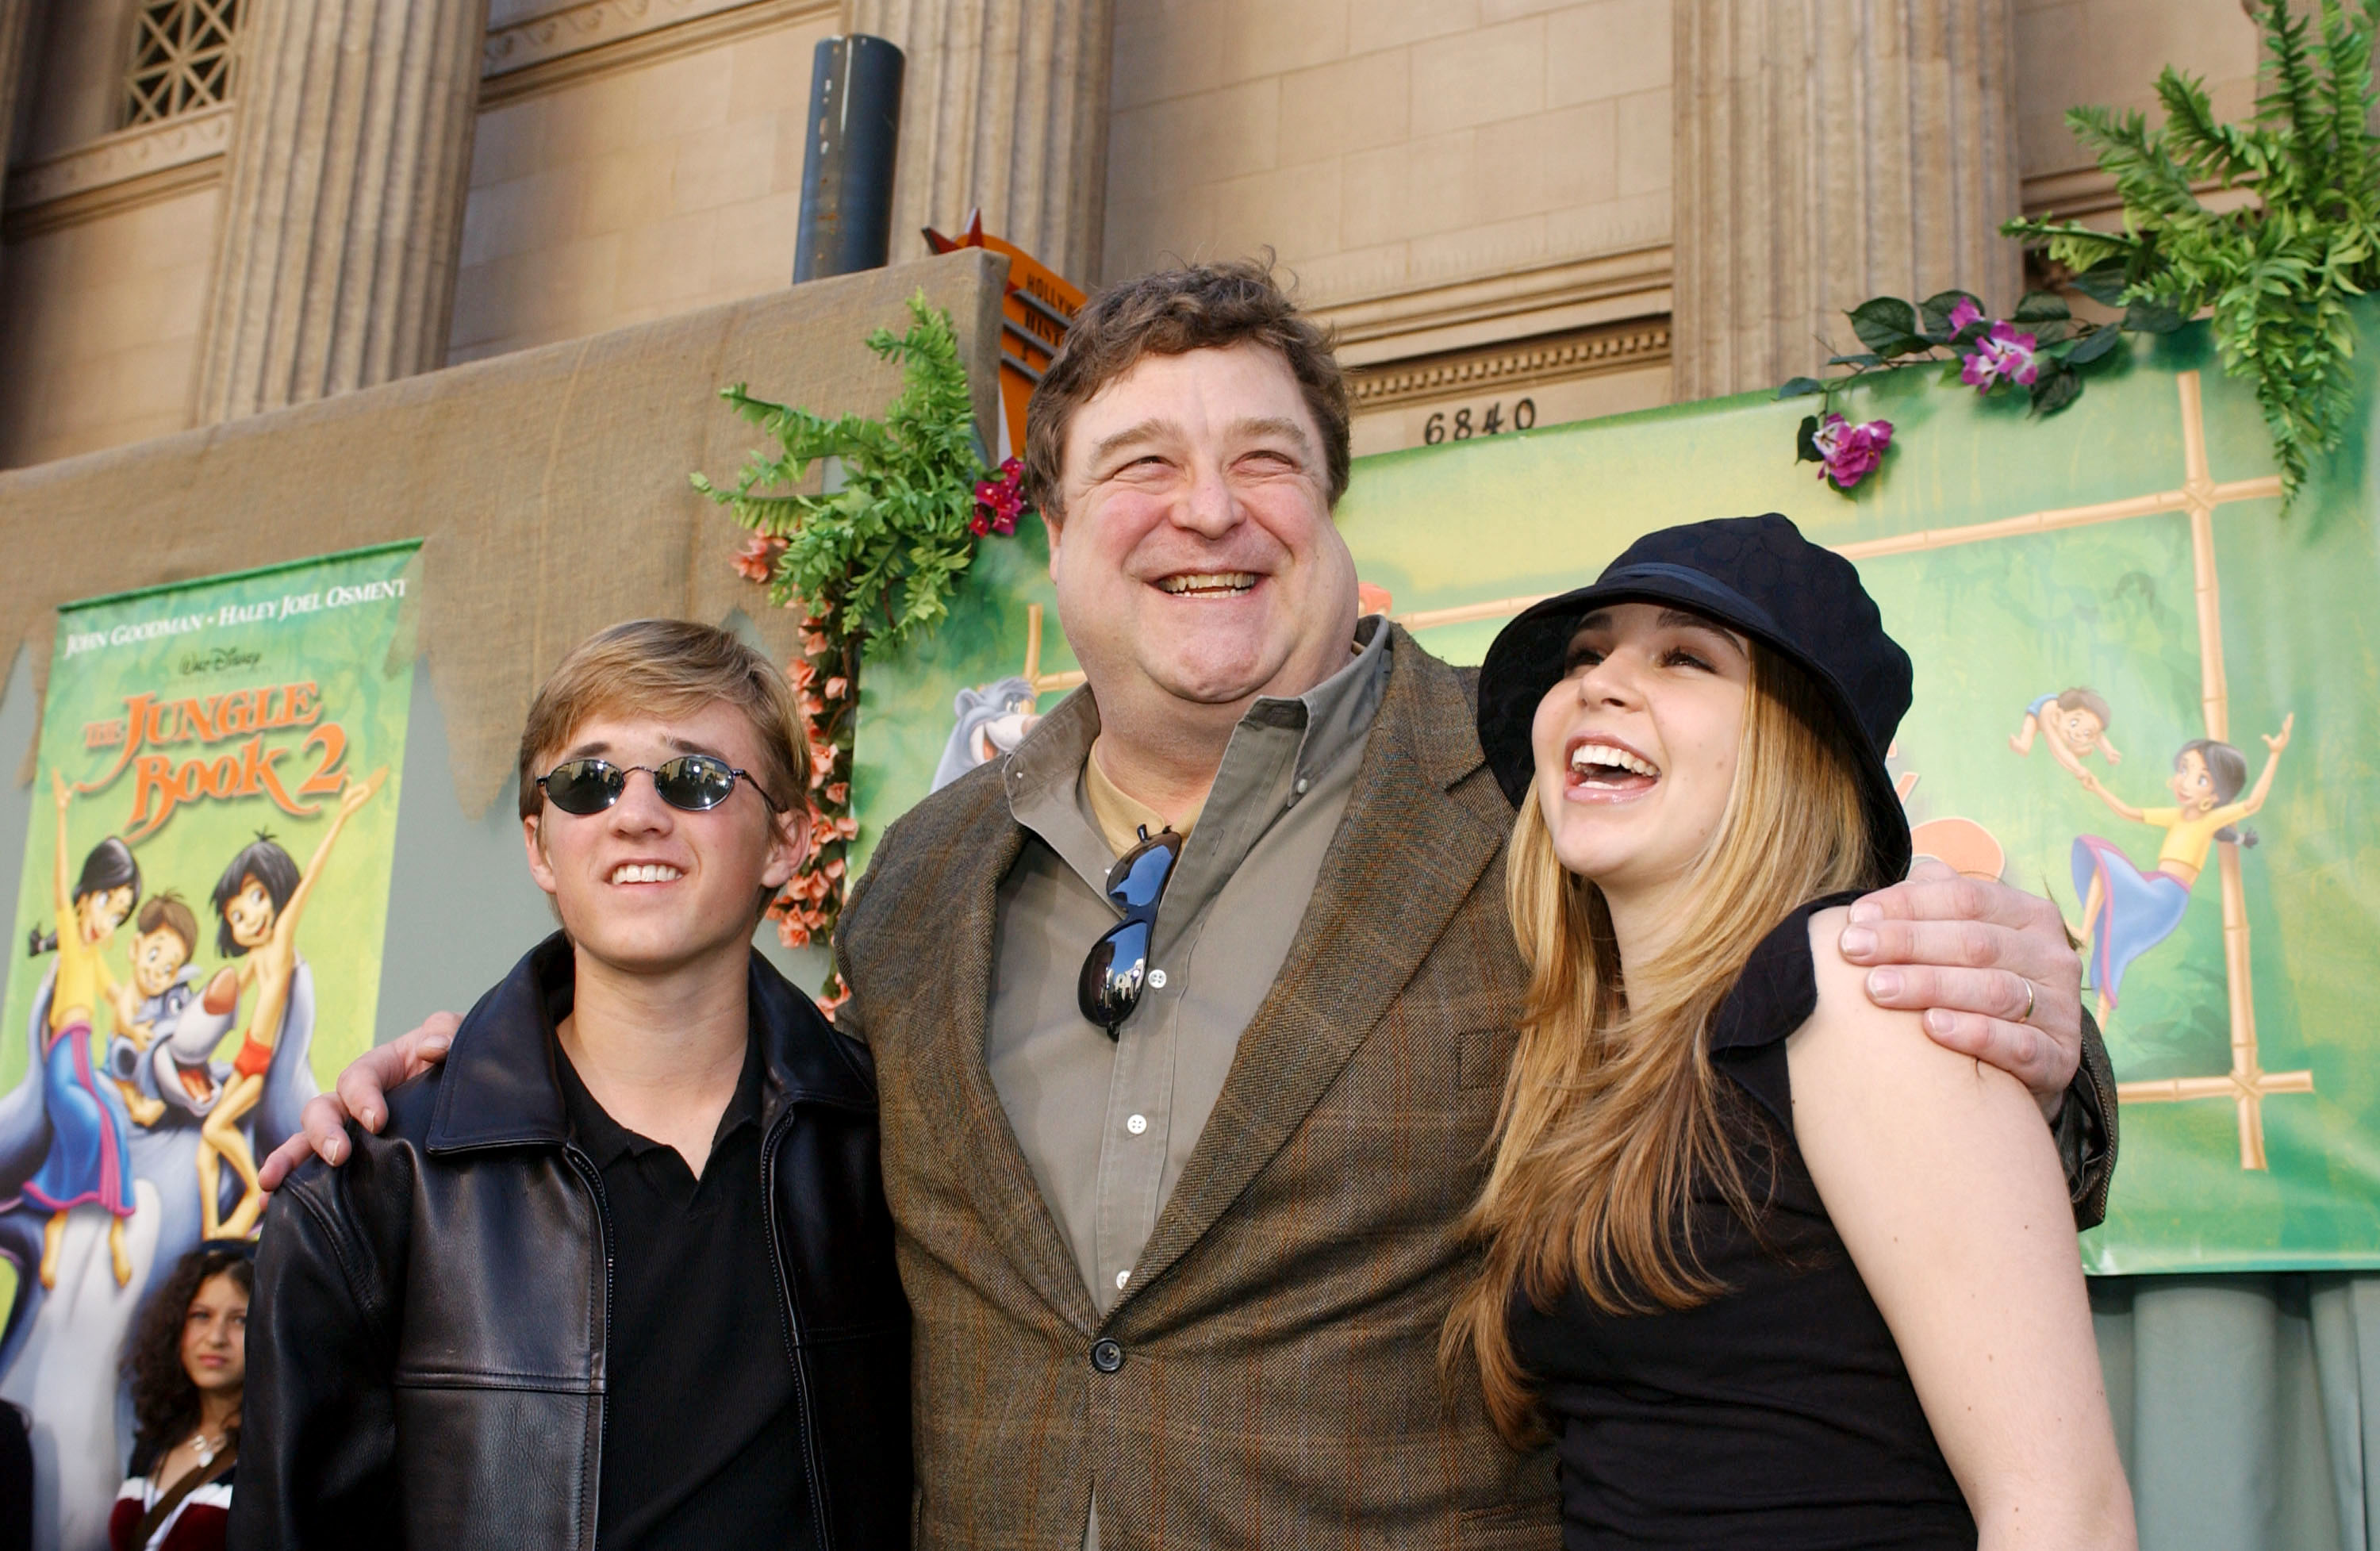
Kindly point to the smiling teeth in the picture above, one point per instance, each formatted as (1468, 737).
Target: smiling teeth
(650, 872)
(1604, 757)
(1210, 581)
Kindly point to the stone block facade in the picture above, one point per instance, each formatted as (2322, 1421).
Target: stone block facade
(1481, 196)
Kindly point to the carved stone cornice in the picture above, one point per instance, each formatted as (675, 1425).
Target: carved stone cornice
(1621, 346)
(533, 48)
(118, 172)
(1400, 325)
(2079, 193)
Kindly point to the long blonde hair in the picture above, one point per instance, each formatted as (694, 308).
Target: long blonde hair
(1611, 1112)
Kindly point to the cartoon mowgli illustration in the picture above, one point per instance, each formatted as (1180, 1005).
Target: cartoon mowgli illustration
(2127, 912)
(89, 1160)
(259, 899)
(2073, 722)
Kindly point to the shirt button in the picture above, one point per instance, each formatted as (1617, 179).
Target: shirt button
(1157, 980)
(1106, 1356)
(1137, 1124)
(1121, 1278)
(1301, 785)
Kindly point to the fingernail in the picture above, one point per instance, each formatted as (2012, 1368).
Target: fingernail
(435, 1045)
(334, 1149)
(371, 1119)
(1884, 983)
(1858, 939)
(1937, 1021)
(1863, 911)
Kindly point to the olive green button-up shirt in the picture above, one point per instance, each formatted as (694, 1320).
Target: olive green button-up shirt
(1106, 1124)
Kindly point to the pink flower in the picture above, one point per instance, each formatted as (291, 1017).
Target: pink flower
(800, 674)
(998, 501)
(758, 560)
(1966, 312)
(837, 687)
(2001, 356)
(1849, 452)
(838, 792)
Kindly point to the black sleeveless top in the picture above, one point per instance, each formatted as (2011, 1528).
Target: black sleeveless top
(1778, 1414)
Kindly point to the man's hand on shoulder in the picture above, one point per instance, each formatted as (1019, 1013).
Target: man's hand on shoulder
(1990, 967)
(362, 1093)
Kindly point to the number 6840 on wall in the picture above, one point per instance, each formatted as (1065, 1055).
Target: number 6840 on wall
(1468, 423)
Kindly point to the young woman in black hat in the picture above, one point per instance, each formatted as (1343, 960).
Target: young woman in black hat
(1775, 1267)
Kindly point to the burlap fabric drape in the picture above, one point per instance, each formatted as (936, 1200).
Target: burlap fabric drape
(550, 485)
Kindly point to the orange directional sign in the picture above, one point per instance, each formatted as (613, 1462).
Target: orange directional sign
(1039, 308)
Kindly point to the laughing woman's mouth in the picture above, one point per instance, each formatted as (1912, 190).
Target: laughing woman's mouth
(1208, 584)
(1601, 767)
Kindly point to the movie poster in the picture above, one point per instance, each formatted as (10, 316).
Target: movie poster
(2144, 691)
(197, 953)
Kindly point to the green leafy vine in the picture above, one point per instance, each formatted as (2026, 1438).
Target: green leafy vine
(2278, 269)
(870, 563)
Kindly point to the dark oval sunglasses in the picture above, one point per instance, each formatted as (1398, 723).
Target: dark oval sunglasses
(692, 782)
(1117, 967)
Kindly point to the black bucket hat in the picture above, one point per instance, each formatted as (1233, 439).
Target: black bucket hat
(1758, 575)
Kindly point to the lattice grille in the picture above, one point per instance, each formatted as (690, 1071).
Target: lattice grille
(181, 58)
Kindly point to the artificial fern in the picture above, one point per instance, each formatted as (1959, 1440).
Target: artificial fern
(878, 559)
(2277, 270)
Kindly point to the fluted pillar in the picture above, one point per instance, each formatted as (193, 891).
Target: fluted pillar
(343, 205)
(1827, 152)
(1004, 106)
(17, 19)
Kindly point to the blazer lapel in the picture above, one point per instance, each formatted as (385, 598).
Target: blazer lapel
(1406, 857)
(949, 977)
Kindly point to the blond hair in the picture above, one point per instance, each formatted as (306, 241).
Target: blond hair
(1611, 1112)
(667, 667)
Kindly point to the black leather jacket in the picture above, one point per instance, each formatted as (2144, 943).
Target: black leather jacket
(427, 1342)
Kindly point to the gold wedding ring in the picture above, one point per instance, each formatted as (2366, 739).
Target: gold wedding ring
(2026, 1016)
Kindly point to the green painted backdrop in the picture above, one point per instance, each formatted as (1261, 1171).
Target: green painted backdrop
(1991, 627)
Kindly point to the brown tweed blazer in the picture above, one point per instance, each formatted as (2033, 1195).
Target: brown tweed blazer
(1279, 1383)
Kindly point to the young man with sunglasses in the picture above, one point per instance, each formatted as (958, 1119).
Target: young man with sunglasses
(1192, 1014)
(620, 1275)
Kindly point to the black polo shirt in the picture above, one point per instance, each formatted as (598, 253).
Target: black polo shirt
(701, 1436)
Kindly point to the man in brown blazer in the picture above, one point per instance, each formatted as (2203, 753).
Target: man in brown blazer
(1179, 1220)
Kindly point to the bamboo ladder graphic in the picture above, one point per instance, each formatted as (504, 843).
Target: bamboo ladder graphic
(2247, 1084)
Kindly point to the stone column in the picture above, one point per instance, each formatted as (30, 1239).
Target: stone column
(1827, 152)
(1004, 106)
(18, 29)
(343, 203)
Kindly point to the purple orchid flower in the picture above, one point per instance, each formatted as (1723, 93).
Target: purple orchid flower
(2002, 356)
(1850, 453)
(1966, 312)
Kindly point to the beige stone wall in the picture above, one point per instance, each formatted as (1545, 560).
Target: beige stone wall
(99, 315)
(1465, 189)
(2109, 53)
(1443, 177)
(620, 195)
(1388, 145)
(99, 326)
